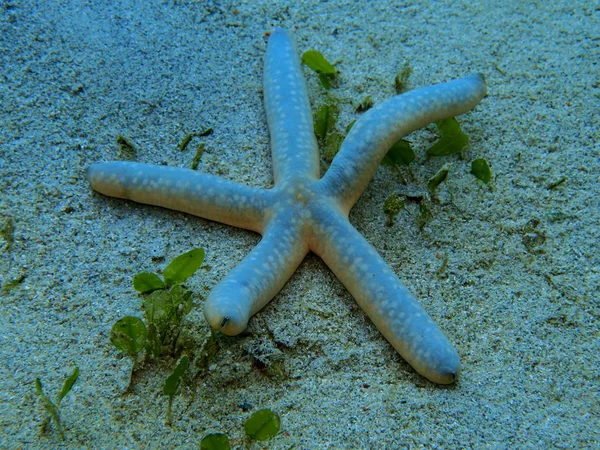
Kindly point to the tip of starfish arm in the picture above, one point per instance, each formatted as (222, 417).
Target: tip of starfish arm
(443, 368)
(479, 79)
(447, 376)
(105, 179)
(433, 356)
(227, 316)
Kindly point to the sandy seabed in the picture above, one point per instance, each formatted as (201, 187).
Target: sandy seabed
(510, 271)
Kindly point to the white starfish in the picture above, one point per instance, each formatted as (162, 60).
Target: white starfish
(303, 213)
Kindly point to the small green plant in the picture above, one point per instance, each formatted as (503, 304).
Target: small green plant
(146, 282)
(326, 115)
(365, 105)
(262, 425)
(180, 269)
(7, 231)
(331, 146)
(185, 141)
(173, 382)
(130, 335)
(183, 145)
(165, 307)
(325, 70)
(215, 441)
(438, 178)
(481, 169)
(399, 154)
(452, 139)
(198, 156)
(392, 206)
(52, 410)
(164, 312)
(325, 119)
(401, 80)
(188, 137)
(128, 150)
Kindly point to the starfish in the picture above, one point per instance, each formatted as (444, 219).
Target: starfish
(303, 212)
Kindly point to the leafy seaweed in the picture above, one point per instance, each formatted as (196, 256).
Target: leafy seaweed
(205, 132)
(128, 150)
(215, 441)
(481, 169)
(129, 335)
(401, 80)
(185, 141)
(174, 381)
(52, 409)
(262, 425)
(154, 345)
(325, 70)
(146, 282)
(183, 267)
(317, 62)
(188, 137)
(331, 146)
(165, 308)
(453, 139)
(399, 154)
(438, 178)
(7, 230)
(166, 311)
(68, 384)
(367, 103)
(392, 206)
(325, 119)
(198, 156)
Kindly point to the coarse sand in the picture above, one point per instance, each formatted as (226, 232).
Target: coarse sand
(510, 271)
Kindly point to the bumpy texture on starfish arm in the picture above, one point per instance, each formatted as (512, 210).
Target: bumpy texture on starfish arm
(293, 144)
(383, 297)
(183, 190)
(258, 278)
(302, 214)
(386, 123)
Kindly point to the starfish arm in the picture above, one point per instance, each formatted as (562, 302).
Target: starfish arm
(183, 190)
(293, 145)
(258, 278)
(374, 133)
(383, 297)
